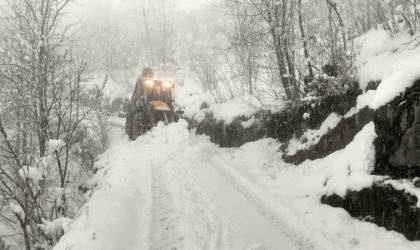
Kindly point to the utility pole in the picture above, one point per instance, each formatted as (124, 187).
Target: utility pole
(148, 38)
(164, 38)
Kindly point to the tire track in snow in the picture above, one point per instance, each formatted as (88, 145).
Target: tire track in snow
(304, 235)
(182, 214)
(210, 230)
(165, 232)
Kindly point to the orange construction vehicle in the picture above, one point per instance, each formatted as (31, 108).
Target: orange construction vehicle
(152, 102)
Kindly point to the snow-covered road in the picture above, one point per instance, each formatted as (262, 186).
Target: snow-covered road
(173, 189)
(169, 186)
(196, 207)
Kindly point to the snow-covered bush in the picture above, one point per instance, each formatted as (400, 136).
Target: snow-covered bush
(100, 128)
(91, 140)
(325, 85)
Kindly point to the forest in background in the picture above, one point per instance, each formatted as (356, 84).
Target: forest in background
(264, 50)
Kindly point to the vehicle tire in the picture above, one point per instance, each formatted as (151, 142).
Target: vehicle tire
(129, 120)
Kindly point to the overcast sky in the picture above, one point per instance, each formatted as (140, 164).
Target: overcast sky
(91, 9)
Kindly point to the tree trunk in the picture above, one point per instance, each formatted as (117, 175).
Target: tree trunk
(18, 138)
(42, 138)
(332, 51)
(305, 43)
(340, 21)
(250, 75)
(26, 237)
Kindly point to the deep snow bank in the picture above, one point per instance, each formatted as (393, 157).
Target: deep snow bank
(392, 61)
(117, 213)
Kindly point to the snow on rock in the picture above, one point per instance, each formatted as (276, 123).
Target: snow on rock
(311, 136)
(398, 78)
(407, 186)
(229, 110)
(190, 98)
(351, 112)
(197, 104)
(390, 61)
(365, 99)
(377, 55)
(27, 172)
(249, 123)
(351, 170)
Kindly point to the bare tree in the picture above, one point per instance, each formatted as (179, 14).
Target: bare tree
(42, 89)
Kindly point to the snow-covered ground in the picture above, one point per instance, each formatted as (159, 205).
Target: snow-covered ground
(117, 214)
(393, 61)
(173, 189)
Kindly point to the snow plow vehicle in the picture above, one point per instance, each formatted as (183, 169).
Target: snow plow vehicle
(152, 102)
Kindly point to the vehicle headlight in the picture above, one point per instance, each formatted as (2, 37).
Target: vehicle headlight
(149, 83)
(167, 84)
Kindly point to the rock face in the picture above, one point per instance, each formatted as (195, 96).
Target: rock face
(408, 153)
(281, 125)
(397, 125)
(398, 128)
(384, 206)
(334, 140)
(397, 147)
(233, 134)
